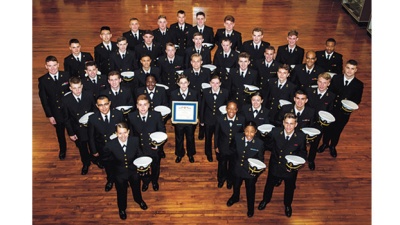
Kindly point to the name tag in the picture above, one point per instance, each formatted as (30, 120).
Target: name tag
(254, 149)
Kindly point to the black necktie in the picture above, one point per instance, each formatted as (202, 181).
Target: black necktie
(298, 114)
(124, 148)
(198, 51)
(183, 95)
(201, 30)
(135, 36)
(149, 48)
(78, 99)
(215, 96)
(280, 86)
(123, 55)
(242, 74)
(170, 62)
(94, 81)
(246, 143)
(329, 57)
(287, 138)
(319, 96)
(151, 94)
(108, 48)
(163, 33)
(105, 119)
(255, 113)
(256, 47)
(144, 119)
(228, 35)
(55, 78)
(267, 65)
(196, 73)
(346, 83)
(226, 56)
(116, 93)
(77, 59)
(309, 71)
(291, 51)
(181, 28)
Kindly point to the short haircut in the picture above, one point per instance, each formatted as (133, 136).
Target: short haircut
(352, 62)
(51, 58)
(90, 63)
(293, 32)
(121, 125)
(258, 29)
(180, 12)
(180, 77)
(102, 97)
(330, 40)
(169, 44)
(300, 92)
(244, 55)
(196, 55)
(229, 18)
(284, 66)
(162, 17)
(289, 115)
(197, 34)
(105, 28)
(121, 38)
(270, 48)
(215, 76)
(148, 32)
(250, 124)
(257, 93)
(325, 75)
(200, 14)
(113, 73)
(142, 97)
(133, 18)
(74, 80)
(73, 41)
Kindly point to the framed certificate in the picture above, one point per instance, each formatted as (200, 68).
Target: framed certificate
(185, 112)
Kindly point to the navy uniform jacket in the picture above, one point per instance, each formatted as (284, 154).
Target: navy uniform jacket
(333, 65)
(164, 39)
(51, 94)
(132, 41)
(266, 73)
(159, 96)
(306, 118)
(124, 97)
(238, 81)
(210, 107)
(325, 103)
(224, 133)
(261, 118)
(168, 75)
(196, 81)
(73, 111)
(351, 92)
(123, 161)
(222, 63)
(102, 57)
(274, 94)
(180, 36)
(75, 68)
(141, 76)
(248, 46)
(208, 35)
(254, 149)
(284, 57)
(101, 84)
(281, 147)
(205, 53)
(302, 79)
(142, 130)
(192, 95)
(235, 38)
(100, 131)
(156, 52)
(128, 63)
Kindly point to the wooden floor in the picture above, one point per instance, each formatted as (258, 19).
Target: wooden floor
(337, 192)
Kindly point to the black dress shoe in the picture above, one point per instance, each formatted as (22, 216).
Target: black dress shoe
(288, 211)
(278, 183)
(99, 165)
(322, 148)
(220, 184)
(250, 214)
(178, 159)
(143, 205)
(155, 186)
(109, 186)
(122, 214)
(145, 187)
(311, 165)
(333, 152)
(85, 170)
(191, 159)
(230, 202)
(229, 185)
(162, 154)
(262, 205)
(209, 158)
(61, 156)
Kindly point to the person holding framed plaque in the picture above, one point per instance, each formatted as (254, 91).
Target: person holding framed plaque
(184, 105)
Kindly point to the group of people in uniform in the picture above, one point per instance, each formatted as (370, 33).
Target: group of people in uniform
(108, 104)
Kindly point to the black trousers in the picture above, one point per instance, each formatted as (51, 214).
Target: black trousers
(182, 130)
(84, 151)
(62, 142)
(121, 184)
(290, 185)
(209, 132)
(250, 184)
(225, 168)
(334, 130)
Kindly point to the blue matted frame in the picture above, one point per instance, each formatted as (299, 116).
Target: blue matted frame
(191, 108)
